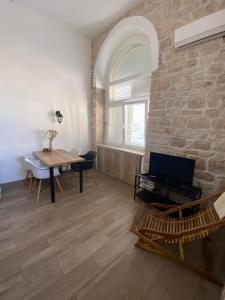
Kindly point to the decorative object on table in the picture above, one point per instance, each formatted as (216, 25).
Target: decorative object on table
(51, 135)
(155, 229)
(59, 116)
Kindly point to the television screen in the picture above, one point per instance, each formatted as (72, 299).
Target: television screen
(174, 168)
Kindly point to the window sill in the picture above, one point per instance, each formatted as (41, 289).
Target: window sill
(122, 149)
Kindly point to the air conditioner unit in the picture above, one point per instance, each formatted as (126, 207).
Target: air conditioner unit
(205, 28)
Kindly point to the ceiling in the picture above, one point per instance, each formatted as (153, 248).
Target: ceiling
(90, 17)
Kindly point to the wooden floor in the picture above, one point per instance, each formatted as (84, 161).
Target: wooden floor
(80, 248)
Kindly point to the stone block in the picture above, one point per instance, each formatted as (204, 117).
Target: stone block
(218, 123)
(221, 183)
(159, 104)
(216, 68)
(205, 176)
(215, 100)
(209, 48)
(221, 79)
(202, 145)
(166, 42)
(191, 63)
(217, 166)
(212, 113)
(198, 123)
(191, 152)
(188, 112)
(220, 146)
(201, 85)
(177, 142)
(196, 102)
(221, 57)
(179, 122)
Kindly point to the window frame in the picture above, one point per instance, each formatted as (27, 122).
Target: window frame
(117, 59)
(121, 103)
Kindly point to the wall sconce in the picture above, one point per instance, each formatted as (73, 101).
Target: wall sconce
(59, 116)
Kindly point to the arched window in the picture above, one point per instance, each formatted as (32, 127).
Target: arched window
(128, 95)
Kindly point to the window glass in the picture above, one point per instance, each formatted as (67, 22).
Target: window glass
(136, 60)
(115, 128)
(135, 124)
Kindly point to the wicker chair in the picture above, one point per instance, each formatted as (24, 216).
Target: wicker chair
(155, 228)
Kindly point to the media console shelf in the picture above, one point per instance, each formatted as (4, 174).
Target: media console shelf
(151, 189)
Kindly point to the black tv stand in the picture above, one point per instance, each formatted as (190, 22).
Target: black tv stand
(152, 189)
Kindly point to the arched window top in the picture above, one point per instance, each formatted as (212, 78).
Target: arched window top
(132, 27)
(132, 61)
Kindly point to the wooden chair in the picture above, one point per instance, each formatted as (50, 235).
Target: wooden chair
(155, 228)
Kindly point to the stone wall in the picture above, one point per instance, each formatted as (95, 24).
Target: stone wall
(187, 102)
(98, 116)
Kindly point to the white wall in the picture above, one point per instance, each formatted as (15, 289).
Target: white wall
(43, 67)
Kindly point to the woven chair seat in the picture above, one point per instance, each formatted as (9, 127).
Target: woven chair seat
(171, 230)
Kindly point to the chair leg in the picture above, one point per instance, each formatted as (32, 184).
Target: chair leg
(35, 180)
(27, 175)
(181, 249)
(31, 181)
(207, 256)
(39, 190)
(59, 185)
(93, 175)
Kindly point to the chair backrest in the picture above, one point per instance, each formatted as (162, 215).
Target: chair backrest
(26, 165)
(90, 158)
(37, 168)
(76, 151)
(28, 157)
(90, 155)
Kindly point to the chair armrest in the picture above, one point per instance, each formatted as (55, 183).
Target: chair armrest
(191, 204)
(38, 166)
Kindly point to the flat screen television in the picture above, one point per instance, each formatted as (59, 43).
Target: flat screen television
(173, 168)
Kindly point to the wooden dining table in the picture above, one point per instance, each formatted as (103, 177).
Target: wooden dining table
(58, 158)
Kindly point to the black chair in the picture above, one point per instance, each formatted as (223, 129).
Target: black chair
(87, 165)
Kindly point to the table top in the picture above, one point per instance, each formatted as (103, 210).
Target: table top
(57, 158)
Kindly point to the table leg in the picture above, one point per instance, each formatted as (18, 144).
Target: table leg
(81, 180)
(60, 170)
(51, 170)
(135, 187)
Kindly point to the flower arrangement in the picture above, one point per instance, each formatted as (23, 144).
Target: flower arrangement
(51, 135)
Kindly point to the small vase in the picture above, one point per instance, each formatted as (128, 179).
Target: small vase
(50, 145)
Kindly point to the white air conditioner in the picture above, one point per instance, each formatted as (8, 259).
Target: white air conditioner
(204, 28)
